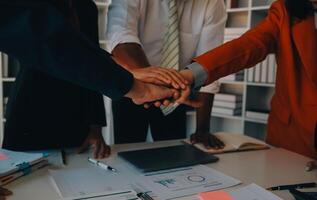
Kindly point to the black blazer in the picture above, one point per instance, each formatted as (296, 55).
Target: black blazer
(45, 112)
(38, 35)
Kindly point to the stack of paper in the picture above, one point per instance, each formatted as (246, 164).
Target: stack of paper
(17, 164)
(227, 104)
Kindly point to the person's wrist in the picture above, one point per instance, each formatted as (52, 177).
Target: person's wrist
(137, 91)
(188, 75)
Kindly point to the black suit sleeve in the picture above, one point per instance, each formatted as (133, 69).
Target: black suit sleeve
(87, 13)
(39, 36)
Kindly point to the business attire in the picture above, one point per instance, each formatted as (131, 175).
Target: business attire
(45, 112)
(293, 118)
(40, 37)
(200, 26)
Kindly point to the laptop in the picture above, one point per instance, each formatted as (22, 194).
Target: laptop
(149, 160)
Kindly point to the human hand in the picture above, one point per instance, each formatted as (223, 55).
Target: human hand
(4, 192)
(95, 139)
(210, 141)
(142, 93)
(311, 165)
(160, 76)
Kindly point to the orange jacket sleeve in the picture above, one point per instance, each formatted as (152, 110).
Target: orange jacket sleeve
(244, 52)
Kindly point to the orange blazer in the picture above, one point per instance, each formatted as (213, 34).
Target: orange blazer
(293, 116)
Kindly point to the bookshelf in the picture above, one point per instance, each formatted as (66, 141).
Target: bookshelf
(9, 68)
(242, 15)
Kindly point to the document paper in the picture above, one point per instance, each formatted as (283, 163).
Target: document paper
(170, 184)
(114, 195)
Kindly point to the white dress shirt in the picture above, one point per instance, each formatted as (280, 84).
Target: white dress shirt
(201, 27)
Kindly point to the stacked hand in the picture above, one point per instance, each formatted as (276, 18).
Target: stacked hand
(162, 86)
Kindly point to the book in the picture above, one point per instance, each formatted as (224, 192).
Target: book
(224, 104)
(257, 73)
(261, 115)
(264, 66)
(5, 65)
(228, 97)
(4, 180)
(232, 77)
(271, 68)
(233, 143)
(13, 161)
(251, 74)
(226, 111)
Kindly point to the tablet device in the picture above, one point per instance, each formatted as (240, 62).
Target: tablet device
(149, 160)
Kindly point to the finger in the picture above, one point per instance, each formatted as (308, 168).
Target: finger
(157, 81)
(193, 139)
(5, 192)
(212, 143)
(206, 143)
(102, 151)
(162, 75)
(157, 104)
(166, 102)
(96, 150)
(184, 82)
(176, 82)
(108, 151)
(147, 105)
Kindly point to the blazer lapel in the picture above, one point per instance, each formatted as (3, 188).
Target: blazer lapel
(304, 37)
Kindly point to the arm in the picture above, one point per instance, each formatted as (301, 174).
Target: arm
(212, 36)
(246, 51)
(124, 43)
(43, 39)
(241, 53)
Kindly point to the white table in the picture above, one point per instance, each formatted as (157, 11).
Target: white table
(266, 168)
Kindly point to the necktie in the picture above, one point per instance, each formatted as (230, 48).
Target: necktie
(170, 52)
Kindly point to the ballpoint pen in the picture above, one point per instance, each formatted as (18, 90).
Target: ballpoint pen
(102, 165)
(295, 186)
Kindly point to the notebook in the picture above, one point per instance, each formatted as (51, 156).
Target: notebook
(156, 159)
(233, 142)
(12, 161)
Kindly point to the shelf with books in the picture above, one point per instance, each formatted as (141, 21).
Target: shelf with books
(231, 4)
(8, 79)
(255, 120)
(261, 84)
(237, 19)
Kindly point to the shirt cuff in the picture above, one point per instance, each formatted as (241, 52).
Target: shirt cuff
(199, 74)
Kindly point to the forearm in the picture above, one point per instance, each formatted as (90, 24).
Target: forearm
(43, 39)
(130, 56)
(204, 112)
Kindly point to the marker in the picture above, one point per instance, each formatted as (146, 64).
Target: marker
(102, 165)
(63, 157)
(293, 187)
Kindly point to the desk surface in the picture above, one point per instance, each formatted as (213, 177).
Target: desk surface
(266, 168)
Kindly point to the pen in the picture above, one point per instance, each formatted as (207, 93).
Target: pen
(144, 196)
(102, 165)
(63, 156)
(293, 187)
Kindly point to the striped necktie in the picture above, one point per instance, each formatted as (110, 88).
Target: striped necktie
(170, 52)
